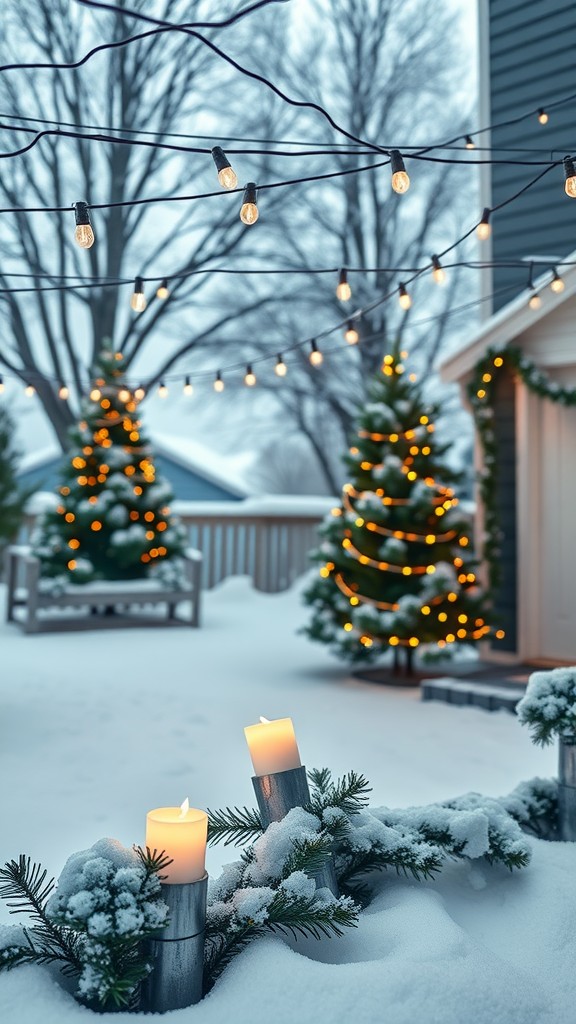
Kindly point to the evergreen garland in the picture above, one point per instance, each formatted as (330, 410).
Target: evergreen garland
(480, 390)
(12, 497)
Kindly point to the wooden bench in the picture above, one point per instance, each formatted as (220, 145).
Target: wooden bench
(109, 603)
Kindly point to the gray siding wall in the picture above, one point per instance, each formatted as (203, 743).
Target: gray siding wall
(505, 606)
(532, 58)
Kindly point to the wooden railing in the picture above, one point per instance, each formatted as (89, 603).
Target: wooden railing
(267, 539)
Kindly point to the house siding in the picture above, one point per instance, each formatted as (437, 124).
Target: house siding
(530, 62)
(505, 600)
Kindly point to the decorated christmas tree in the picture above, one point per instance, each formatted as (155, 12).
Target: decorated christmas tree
(397, 567)
(113, 517)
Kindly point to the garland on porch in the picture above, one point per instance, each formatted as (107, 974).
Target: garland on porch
(481, 396)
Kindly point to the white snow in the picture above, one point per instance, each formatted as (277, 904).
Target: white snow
(99, 727)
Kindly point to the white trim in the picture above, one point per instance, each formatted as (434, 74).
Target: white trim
(528, 518)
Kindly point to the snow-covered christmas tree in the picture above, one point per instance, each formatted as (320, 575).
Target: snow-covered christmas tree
(113, 517)
(397, 567)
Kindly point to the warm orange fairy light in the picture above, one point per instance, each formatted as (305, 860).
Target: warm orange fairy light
(105, 403)
(161, 525)
(442, 616)
(134, 435)
(498, 361)
(500, 634)
(458, 562)
(148, 516)
(72, 563)
(359, 521)
(464, 542)
(393, 641)
(462, 618)
(486, 377)
(354, 601)
(137, 490)
(82, 480)
(96, 525)
(413, 641)
(74, 543)
(425, 609)
(78, 463)
(461, 633)
(144, 558)
(452, 596)
(93, 499)
(69, 517)
(134, 515)
(87, 450)
(129, 470)
(149, 534)
(348, 626)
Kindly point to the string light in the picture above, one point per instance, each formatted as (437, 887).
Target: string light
(469, 141)
(570, 174)
(351, 334)
(162, 390)
(315, 357)
(29, 390)
(163, 291)
(249, 376)
(124, 395)
(83, 235)
(249, 208)
(438, 272)
(534, 301)
(226, 174)
(543, 116)
(63, 392)
(404, 298)
(140, 393)
(280, 369)
(557, 284)
(484, 230)
(343, 289)
(138, 300)
(219, 383)
(400, 179)
(95, 394)
(188, 389)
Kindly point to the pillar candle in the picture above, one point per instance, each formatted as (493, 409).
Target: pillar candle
(182, 833)
(272, 746)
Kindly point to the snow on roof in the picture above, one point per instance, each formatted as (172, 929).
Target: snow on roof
(509, 322)
(231, 472)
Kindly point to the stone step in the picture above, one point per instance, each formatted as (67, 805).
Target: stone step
(490, 697)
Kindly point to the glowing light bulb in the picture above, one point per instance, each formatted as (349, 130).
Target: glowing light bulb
(315, 357)
(404, 298)
(249, 209)
(83, 235)
(95, 394)
(280, 369)
(351, 334)
(226, 174)
(218, 383)
(63, 392)
(343, 289)
(140, 393)
(400, 179)
(124, 395)
(535, 301)
(163, 290)
(188, 389)
(138, 300)
(557, 284)
(162, 390)
(484, 230)
(543, 116)
(249, 377)
(438, 272)
(570, 173)
(469, 142)
(29, 390)
(1, 384)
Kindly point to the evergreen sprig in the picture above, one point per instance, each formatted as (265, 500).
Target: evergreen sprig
(234, 826)
(349, 794)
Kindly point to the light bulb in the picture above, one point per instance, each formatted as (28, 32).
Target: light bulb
(343, 289)
(140, 393)
(124, 395)
(535, 301)
(249, 377)
(438, 272)
(1, 384)
(351, 334)
(83, 235)
(316, 357)
(280, 369)
(63, 392)
(163, 291)
(404, 298)
(95, 394)
(469, 142)
(162, 390)
(138, 300)
(484, 230)
(226, 174)
(218, 383)
(570, 172)
(29, 390)
(542, 116)
(557, 284)
(249, 209)
(188, 389)
(400, 179)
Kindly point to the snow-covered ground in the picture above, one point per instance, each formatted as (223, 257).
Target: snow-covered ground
(97, 728)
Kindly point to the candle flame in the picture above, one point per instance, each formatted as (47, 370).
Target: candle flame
(184, 808)
(264, 721)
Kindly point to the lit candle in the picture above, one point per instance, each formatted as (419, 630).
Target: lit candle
(182, 833)
(272, 746)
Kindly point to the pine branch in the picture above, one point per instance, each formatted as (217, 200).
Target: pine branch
(306, 917)
(349, 794)
(152, 861)
(221, 948)
(308, 855)
(234, 826)
(406, 860)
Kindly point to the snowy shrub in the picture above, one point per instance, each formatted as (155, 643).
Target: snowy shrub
(549, 705)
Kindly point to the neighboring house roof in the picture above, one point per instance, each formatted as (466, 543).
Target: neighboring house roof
(228, 472)
(513, 320)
